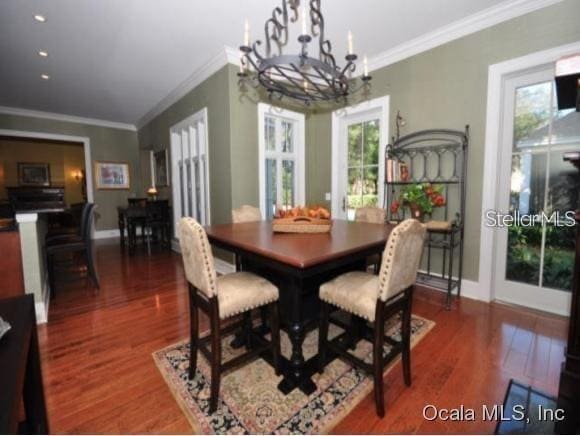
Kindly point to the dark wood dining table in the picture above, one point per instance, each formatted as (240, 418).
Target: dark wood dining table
(298, 264)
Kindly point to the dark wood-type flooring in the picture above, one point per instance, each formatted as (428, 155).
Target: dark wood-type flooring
(100, 377)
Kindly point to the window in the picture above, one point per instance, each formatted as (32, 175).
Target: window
(281, 154)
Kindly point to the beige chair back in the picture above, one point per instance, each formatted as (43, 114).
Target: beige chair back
(401, 258)
(197, 256)
(375, 215)
(246, 214)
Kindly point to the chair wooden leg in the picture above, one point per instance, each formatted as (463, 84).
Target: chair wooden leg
(193, 333)
(91, 268)
(149, 233)
(275, 335)
(378, 359)
(264, 319)
(354, 333)
(406, 341)
(323, 335)
(248, 329)
(216, 351)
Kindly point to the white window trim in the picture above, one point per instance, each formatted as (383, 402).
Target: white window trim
(497, 75)
(340, 119)
(299, 144)
(199, 116)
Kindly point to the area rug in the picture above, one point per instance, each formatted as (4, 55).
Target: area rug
(250, 402)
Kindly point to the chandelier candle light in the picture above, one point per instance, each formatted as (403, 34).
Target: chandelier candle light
(301, 77)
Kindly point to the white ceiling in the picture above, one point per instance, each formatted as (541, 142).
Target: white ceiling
(116, 59)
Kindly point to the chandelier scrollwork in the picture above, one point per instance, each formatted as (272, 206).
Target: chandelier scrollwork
(299, 76)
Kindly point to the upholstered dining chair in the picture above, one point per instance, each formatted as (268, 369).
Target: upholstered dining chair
(375, 299)
(246, 214)
(374, 215)
(370, 214)
(79, 246)
(221, 298)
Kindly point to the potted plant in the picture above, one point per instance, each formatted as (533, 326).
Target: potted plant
(420, 198)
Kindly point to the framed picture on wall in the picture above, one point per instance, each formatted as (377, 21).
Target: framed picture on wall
(112, 175)
(33, 174)
(161, 168)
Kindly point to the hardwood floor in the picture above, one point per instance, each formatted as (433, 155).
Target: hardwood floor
(100, 377)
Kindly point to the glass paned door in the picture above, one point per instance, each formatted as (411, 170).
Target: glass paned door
(536, 252)
(362, 166)
(190, 169)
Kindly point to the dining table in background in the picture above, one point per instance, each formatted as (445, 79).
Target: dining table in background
(298, 264)
(129, 218)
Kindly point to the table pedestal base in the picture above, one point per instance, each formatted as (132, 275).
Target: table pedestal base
(299, 313)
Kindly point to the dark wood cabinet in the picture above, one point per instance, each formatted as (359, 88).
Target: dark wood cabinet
(10, 264)
(569, 391)
(20, 373)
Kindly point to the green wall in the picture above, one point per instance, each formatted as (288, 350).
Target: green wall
(447, 87)
(214, 94)
(107, 144)
(243, 107)
(443, 87)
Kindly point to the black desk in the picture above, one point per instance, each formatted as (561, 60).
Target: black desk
(20, 373)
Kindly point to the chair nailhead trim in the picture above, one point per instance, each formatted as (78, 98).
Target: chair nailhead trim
(347, 309)
(250, 308)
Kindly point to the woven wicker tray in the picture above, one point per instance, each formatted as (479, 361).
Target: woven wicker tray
(301, 224)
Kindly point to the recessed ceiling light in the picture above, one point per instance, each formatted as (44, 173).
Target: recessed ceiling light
(45, 76)
(43, 53)
(40, 18)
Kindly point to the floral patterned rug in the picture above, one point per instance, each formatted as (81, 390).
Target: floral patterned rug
(250, 402)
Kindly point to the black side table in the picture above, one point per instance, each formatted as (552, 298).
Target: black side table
(20, 373)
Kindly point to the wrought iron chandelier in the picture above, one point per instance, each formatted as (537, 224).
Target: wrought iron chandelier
(302, 77)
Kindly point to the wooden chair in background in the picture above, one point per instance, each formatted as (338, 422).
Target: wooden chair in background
(374, 215)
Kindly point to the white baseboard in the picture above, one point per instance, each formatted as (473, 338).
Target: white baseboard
(469, 289)
(223, 267)
(112, 233)
(475, 291)
(41, 308)
(104, 234)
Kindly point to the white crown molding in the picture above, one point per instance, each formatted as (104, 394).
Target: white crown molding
(232, 55)
(505, 11)
(225, 56)
(489, 17)
(66, 118)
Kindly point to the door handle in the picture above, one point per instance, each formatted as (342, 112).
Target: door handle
(344, 204)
